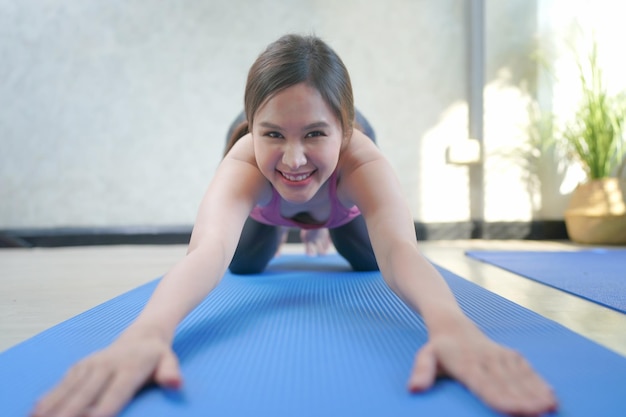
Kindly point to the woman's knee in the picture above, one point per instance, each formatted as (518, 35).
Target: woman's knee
(256, 248)
(246, 268)
(364, 264)
(353, 243)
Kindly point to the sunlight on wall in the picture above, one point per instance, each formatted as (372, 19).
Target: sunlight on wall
(508, 189)
(446, 185)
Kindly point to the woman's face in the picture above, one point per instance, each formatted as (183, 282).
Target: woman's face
(297, 140)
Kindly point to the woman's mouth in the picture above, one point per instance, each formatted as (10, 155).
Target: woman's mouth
(296, 177)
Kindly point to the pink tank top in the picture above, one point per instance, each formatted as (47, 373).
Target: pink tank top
(339, 215)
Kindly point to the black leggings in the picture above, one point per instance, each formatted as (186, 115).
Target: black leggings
(259, 242)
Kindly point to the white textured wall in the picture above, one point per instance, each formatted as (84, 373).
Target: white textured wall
(114, 112)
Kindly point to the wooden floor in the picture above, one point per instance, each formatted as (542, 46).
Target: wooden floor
(42, 287)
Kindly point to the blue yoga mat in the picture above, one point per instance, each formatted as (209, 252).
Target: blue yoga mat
(598, 275)
(310, 338)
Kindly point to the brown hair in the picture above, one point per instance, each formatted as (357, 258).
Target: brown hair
(291, 60)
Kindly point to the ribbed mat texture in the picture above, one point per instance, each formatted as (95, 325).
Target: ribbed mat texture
(310, 338)
(598, 275)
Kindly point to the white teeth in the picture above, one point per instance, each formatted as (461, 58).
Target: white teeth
(296, 177)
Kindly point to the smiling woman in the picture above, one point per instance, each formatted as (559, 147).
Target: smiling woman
(259, 243)
(297, 137)
(298, 160)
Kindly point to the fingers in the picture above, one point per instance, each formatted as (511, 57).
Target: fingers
(78, 390)
(168, 372)
(316, 242)
(499, 376)
(533, 393)
(305, 237)
(118, 393)
(424, 371)
(309, 248)
(507, 383)
(323, 243)
(101, 385)
(530, 393)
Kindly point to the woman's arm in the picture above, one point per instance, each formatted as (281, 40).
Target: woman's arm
(104, 382)
(223, 211)
(456, 347)
(376, 191)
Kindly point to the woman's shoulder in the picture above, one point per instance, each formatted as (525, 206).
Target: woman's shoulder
(243, 150)
(359, 150)
(358, 153)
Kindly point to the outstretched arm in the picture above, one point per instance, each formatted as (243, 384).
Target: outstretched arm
(104, 382)
(456, 347)
(220, 219)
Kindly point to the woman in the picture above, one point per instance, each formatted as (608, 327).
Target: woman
(298, 161)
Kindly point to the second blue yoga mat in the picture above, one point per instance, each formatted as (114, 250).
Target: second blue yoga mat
(598, 275)
(310, 338)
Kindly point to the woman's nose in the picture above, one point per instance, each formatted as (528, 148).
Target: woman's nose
(294, 156)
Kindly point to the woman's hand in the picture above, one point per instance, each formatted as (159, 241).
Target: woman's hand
(103, 383)
(500, 377)
(316, 241)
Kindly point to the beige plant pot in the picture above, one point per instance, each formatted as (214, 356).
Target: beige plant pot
(596, 213)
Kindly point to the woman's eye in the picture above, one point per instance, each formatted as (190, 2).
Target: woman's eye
(315, 134)
(275, 135)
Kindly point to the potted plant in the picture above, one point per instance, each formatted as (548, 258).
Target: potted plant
(595, 138)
